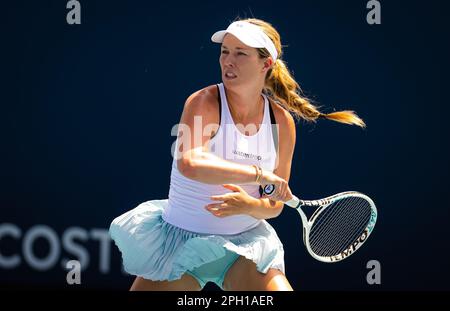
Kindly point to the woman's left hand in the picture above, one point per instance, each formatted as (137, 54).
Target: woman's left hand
(234, 203)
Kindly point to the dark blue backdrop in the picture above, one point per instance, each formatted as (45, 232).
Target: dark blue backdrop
(87, 112)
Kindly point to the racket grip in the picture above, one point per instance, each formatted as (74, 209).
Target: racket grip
(294, 202)
(269, 189)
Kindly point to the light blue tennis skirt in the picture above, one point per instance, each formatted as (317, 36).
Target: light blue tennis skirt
(156, 250)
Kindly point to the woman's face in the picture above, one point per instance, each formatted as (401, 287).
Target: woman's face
(241, 65)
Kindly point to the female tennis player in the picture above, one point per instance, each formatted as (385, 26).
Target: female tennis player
(233, 138)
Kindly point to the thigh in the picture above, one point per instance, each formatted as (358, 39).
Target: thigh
(186, 283)
(243, 276)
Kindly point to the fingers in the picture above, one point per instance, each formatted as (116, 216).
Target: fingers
(215, 206)
(288, 195)
(217, 209)
(224, 197)
(232, 187)
(227, 196)
(285, 194)
(220, 197)
(281, 193)
(277, 195)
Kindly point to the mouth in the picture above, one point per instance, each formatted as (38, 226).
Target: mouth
(230, 75)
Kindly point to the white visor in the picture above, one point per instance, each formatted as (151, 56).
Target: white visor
(250, 34)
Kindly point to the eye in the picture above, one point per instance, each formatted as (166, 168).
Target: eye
(241, 53)
(224, 52)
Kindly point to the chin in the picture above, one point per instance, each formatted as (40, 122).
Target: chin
(233, 84)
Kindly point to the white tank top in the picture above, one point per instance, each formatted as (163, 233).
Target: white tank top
(187, 197)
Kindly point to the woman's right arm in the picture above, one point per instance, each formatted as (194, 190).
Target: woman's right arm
(199, 121)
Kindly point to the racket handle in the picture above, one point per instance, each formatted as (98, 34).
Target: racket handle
(269, 189)
(294, 202)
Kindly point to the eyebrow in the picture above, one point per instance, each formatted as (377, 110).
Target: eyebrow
(237, 48)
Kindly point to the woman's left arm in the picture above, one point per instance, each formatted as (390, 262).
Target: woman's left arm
(238, 201)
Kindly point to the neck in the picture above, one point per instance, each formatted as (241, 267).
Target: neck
(245, 105)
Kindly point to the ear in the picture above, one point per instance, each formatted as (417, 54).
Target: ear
(268, 63)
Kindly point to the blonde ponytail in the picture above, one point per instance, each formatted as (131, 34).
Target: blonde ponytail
(281, 86)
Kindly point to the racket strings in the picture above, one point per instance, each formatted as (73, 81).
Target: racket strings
(332, 220)
(338, 231)
(339, 225)
(344, 230)
(336, 238)
(328, 218)
(341, 242)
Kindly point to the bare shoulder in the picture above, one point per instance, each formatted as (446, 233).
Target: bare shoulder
(287, 140)
(284, 120)
(203, 103)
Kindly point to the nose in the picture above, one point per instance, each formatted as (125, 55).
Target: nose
(228, 60)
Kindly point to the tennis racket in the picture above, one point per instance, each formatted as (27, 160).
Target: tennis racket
(339, 225)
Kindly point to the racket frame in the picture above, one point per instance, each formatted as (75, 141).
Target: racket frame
(321, 206)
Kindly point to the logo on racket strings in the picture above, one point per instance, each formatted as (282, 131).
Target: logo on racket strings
(352, 248)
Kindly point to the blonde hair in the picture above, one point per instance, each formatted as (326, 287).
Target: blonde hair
(281, 86)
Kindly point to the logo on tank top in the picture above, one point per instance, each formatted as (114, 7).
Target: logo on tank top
(247, 155)
(242, 150)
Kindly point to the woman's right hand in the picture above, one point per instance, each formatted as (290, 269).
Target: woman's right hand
(282, 191)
